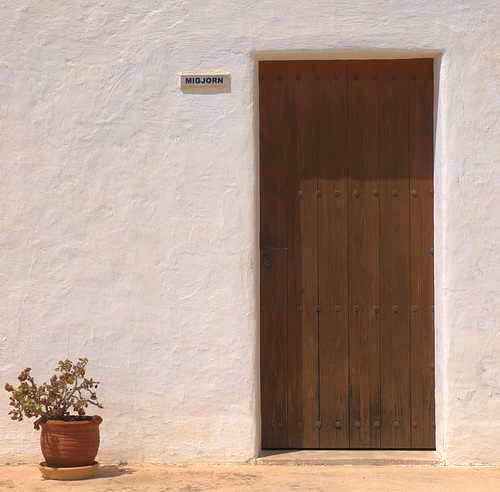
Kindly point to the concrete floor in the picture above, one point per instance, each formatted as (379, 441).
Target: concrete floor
(261, 478)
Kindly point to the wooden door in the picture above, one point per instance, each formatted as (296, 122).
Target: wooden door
(347, 336)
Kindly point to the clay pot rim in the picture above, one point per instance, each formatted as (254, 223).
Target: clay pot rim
(95, 420)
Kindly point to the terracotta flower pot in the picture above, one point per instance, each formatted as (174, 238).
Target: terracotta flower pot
(66, 443)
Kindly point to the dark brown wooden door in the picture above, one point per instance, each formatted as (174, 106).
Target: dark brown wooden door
(346, 230)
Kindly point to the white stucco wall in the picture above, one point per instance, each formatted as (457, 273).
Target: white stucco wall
(129, 209)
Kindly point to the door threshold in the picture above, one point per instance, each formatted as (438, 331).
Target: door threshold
(297, 457)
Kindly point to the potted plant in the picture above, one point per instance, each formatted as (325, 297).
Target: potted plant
(66, 440)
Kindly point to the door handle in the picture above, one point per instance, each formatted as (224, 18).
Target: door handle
(267, 252)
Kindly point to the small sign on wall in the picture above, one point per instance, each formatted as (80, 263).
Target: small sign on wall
(190, 81)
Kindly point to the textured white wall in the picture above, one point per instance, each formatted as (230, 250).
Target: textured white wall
(128, 209)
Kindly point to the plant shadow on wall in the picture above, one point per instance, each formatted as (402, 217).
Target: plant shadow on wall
(67, 440)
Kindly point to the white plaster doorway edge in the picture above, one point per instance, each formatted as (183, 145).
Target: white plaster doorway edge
(346, 55)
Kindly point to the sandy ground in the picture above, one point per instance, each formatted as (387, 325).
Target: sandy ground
(260, 478)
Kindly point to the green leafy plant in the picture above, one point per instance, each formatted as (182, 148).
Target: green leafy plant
(53, 400)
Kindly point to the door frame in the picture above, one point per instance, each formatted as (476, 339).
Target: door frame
(436, 55)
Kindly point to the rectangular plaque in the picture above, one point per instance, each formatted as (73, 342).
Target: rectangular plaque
(205, 81)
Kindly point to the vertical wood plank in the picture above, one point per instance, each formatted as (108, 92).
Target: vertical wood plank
(302, 256)
(422, 260)
(393, 81)
(333, 254)
(364, 342)
(273, 279)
